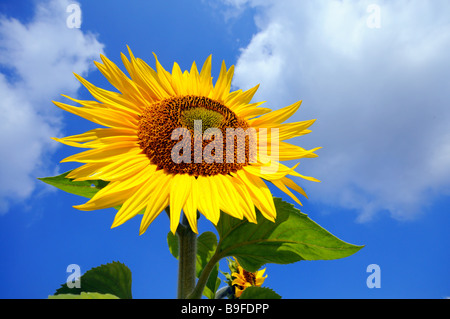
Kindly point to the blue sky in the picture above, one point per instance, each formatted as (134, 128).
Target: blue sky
(378, 88)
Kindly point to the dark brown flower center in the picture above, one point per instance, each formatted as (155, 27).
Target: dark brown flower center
(249, 277)
(194, 135)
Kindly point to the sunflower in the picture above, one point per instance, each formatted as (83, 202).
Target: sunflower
(244, 279)
(164, 142)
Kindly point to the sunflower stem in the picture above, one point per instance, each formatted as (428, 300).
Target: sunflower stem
(187, 259)
(203, 279)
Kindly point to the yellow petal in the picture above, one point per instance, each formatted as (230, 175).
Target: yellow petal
(205, 82)
(276, 117)
(100, 142)
(159, 200)
(134, 204)
(309, 178)
(289, 152)
(291, 184)
(223, 83)
(105, 154)
(99, 133)
(145, 77)
(108, 200)
(139, 200)
(117, 78)
(179, 193)
(136, 76)
(191, 205)
(245, 201)
(108, 171)
(290, 130)
(85, 170)
(164, 77)
(258, 170)
(126, 169)
(252, 111)
(193, 80)
(281, 186)
(111, 118)
(208, 202)
(260, 193)
(240, 100)
(178, 82)
(116, 193)
(229, 203)
(105, 96)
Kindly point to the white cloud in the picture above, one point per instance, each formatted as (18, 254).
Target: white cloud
(380, 96)
(37, 60)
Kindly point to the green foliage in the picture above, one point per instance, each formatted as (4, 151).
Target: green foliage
(206, 246)
(84, 188)
(84, 295)
(232, 265)
(259, 293)
(291, 238)
(81, 188)
(113, 278)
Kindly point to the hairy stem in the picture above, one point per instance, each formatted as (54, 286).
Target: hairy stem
(203, 279)
(187, 259)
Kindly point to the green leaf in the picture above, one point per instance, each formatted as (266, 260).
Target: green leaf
(84, 295)
(83, 188)
(259, 293)
(113, 278)
(291, 238)
(172, 241)
(206, 246)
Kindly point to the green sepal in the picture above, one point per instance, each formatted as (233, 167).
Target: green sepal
(82, 188)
